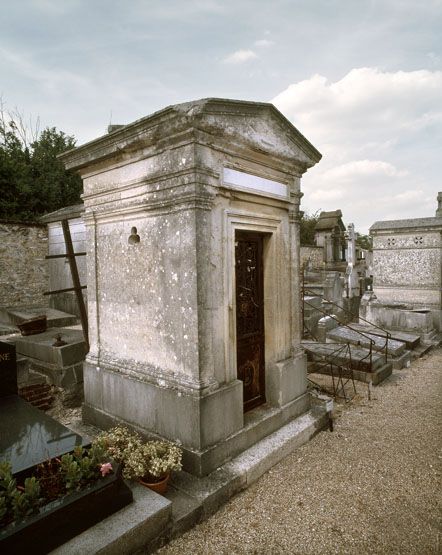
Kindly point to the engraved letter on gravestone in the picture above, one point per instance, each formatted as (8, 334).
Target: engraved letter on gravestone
(8, 369)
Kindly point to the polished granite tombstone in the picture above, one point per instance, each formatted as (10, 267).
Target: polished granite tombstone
(8, 369)
(28, 436)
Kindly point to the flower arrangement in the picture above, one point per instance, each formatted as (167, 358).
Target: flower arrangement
(149, 461)
(50, 480)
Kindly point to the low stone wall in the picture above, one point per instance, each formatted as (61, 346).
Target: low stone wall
(23, 268)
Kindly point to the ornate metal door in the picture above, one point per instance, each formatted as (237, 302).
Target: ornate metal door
(250, 317)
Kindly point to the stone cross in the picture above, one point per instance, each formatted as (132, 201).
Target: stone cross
(439, 205)
(352, 275)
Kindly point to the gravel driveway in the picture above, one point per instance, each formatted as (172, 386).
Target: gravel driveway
(371, 486)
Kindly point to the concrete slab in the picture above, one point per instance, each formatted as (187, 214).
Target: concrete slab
(359, 356)
(361, 364)
(402, 361)
(376, 377)
(16, 315)
(411, 340)
(346, 335)
(6, 329)
(40, 347)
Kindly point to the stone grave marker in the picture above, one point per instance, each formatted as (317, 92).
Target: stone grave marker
(8, 369)
(28, 436)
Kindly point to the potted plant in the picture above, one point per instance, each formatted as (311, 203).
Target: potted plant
(149, 462)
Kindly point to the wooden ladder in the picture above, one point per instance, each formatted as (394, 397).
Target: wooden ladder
(71, 256)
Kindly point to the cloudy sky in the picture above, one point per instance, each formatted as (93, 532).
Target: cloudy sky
(361, 79)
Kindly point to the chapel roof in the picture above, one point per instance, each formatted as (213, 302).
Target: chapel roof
(330, 220)
(411, 223)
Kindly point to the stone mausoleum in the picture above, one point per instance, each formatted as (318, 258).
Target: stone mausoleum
(192, 238)
(407, 263)
(330, 235)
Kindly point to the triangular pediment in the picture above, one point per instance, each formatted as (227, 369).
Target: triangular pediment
(260, 125)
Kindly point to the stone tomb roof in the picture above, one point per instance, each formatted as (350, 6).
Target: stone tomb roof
(409, 224)
(330, 220)
(68, 212)
(256, 125)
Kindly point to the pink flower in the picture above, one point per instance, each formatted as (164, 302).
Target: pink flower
(105, 468)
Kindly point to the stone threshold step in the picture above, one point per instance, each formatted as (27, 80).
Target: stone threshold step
(153, 520)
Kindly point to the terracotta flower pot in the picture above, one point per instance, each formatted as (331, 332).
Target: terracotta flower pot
(159, 487)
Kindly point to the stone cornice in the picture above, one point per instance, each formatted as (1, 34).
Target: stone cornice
(194, 174)
(109, 212)
(150, 374)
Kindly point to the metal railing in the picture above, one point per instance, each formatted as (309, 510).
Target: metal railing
(338, 364)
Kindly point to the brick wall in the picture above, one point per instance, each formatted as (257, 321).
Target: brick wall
(23, 268)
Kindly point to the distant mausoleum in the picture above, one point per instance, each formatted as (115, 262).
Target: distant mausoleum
(407, 262)
(330, 235)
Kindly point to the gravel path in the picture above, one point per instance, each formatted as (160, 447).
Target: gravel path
(371, 486)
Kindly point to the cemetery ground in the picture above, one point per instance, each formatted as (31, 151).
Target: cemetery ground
(371, 486)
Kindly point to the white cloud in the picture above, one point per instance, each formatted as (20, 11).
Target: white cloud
(363, 168)
(240, 56)
(371, 127)
(332, 194)
(264, 43)
(365, 102)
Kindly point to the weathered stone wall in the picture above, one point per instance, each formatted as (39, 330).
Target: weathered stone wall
(407, 267)
(312, 256)
(23, 268)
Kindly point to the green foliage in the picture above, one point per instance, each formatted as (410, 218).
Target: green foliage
(25, 503)
(57, 477)
(364, 241)
(7, 491)
(7, 482)
(33, 181)
(72, 473)
(98, 454)
(89, 462)
(17, 503)
(3, 507)
(151, 460)
(308, 223)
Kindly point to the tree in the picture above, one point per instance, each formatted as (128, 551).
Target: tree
(32, 180)
(308, 224)
(364, 241)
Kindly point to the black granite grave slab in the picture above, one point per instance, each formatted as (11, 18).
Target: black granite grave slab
(8, 369)
(28, 436)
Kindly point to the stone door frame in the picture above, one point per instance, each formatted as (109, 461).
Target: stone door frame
(270, 227)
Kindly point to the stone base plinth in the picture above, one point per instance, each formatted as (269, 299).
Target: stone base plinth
(211, 428)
